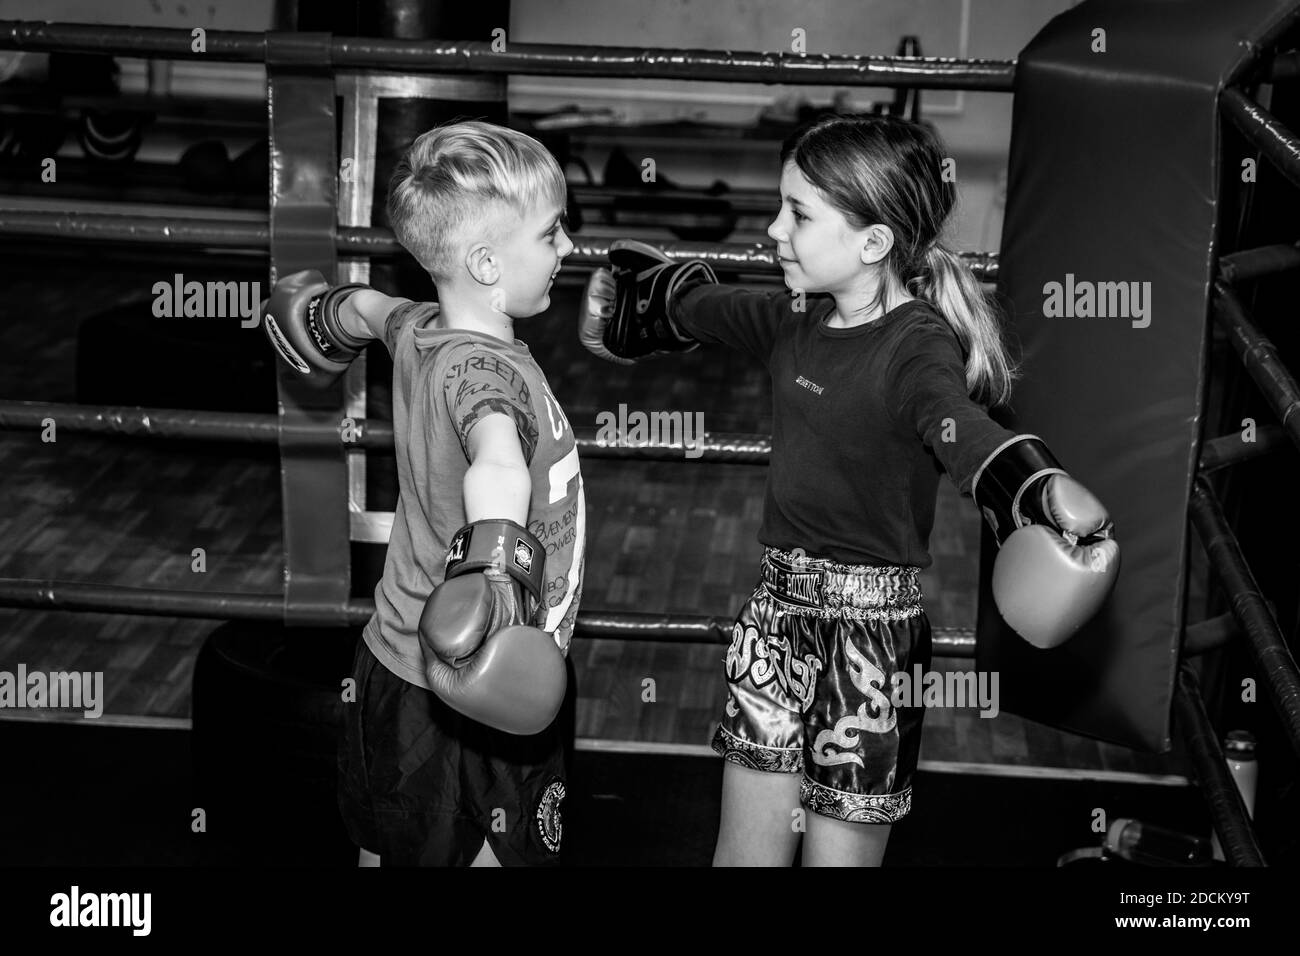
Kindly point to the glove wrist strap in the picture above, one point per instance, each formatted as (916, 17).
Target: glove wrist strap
(692, 274)
(334, 342)
(1007, 487)
(501, 544)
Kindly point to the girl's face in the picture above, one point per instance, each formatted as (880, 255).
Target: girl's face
(818, 249)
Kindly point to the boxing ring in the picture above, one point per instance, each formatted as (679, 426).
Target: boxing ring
(317, 221)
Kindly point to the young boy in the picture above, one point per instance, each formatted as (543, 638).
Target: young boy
(451, 755)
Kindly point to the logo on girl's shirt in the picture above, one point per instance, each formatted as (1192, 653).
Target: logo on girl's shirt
(811, 386)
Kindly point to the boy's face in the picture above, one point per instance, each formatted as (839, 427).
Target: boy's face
(533, 246)
(819, 250)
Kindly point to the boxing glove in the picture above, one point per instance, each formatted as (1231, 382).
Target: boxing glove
(301, 319)
(482, 658)
(626, 313)
(1057, 559)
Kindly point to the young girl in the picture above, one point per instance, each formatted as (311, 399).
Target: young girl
(884, 356)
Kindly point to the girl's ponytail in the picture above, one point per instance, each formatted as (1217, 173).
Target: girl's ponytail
(947, 283)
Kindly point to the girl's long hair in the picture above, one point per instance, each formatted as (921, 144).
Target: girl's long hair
(888, 170)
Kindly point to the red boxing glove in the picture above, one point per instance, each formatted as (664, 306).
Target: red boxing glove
(301, 319)
(482, 658)
(1057, 559)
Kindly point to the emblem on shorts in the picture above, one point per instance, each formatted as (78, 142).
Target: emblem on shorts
(283, 347)
(800, 588)
(550, 826)
(760, 659)
(524, 556)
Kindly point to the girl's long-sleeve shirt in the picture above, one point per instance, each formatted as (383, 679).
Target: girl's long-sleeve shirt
(864, 420)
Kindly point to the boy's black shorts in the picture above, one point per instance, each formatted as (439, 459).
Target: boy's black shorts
(422, 785)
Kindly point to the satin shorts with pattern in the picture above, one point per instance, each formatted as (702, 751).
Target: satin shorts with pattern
(809, 678)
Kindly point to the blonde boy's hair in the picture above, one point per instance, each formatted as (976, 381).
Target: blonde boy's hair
(452, 175)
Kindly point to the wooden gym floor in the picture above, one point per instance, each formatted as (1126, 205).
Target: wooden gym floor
(664, 537)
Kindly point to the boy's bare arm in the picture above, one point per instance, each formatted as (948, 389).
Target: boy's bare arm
(364, 313)
(497, 483)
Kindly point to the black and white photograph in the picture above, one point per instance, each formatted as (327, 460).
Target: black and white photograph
(643, 436)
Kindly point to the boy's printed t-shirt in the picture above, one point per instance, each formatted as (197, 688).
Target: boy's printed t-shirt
(444, 382)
